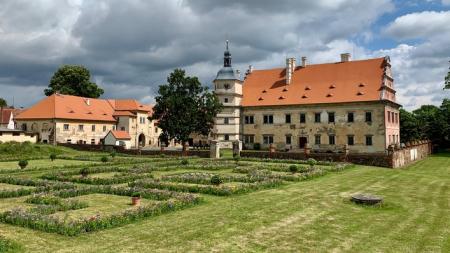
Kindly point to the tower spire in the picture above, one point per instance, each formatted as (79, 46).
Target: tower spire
(227, 56)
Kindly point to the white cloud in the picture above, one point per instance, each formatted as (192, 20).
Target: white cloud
(446, 2)
(420, 25)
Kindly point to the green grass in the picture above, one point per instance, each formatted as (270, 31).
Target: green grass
(308, 216)
(44, 163)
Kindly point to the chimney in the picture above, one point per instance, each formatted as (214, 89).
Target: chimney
(304, 61)
(345, 57)
(290, 67)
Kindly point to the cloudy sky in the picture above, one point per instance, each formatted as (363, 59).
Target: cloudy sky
(130, 46)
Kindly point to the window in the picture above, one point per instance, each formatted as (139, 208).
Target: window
(93, 128)
(113, 128)
(369, 140)
(225, 100)
(288, 140)
(331, 117)
(389, 116)
(350, 117)
(317, 117)
(227, 137)
(249, 119)
(156, 130)
(69, 141)
(24, 127)
(368, 116)
(396, 117)
(351, 140)
(267, 139)
(66, 127)
(226, 121)
(317, 139)
(268, 119)
(226, 86)
(92, 141)
(80, 127)
(104, 128)
(331, 139)
(249, 139)
(302, 118)
(288, 118)
(122, 128)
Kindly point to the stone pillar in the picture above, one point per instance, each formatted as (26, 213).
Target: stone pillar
(237, 147)
(271, 150)
(307, 150)
(214, 151)
(185, 151)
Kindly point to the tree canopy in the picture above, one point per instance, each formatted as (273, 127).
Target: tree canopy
(427, 122)
(73, 80)
(183, 107)
(3, 102)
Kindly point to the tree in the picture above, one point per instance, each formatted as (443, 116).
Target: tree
(184, 107)
(3, 103)
(73, 80)
(409, 126)
(447, 81)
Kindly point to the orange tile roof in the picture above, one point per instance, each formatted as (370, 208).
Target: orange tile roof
(339, 82)
(5, 114)
(124, 113)
(58, 106)
(121, 135)
(130, 105)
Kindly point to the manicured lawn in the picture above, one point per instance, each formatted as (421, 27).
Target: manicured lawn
(307, 216)
(43, 163)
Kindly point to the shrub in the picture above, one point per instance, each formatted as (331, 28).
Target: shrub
(312, 162)
(113, 154)
(236, 158)
(184, 162)
(84, 172)
(104, 159)
(293, 168)
(52, 157)
(257, 146)
(216, 180)
(23, 164)
(136, 195)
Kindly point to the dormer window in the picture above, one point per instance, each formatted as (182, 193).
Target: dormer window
(307, 88)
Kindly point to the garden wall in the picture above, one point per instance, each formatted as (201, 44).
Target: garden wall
(394, 158)
(88, 147)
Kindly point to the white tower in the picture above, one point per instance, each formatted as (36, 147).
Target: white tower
(228, 88)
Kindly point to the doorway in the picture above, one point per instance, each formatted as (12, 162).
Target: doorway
(302, 142)
(141, 140)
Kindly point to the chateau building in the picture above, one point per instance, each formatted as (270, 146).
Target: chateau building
(71, 119)
(325, 107)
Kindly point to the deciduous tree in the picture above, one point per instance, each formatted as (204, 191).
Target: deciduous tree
(3, 103)
(73, 80)
(183, 107)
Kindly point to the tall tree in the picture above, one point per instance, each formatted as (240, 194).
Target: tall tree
(3, 103)
(73, 80)
(409, 127)
(184, 106)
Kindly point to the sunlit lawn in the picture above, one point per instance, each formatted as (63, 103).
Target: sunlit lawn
(43, 163)
(308, 216)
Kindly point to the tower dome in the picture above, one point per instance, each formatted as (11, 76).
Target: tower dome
(227, 72)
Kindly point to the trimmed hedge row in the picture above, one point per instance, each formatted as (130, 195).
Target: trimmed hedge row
(49, 204)
(221, 190)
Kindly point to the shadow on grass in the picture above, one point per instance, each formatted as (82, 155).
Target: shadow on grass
(442, 154)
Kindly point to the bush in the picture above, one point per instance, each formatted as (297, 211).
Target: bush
(236, 158)
(216, 180)
(104, 159)
(293, 168)
(312, 162)
(113, 154)
(23, 164)
(136, 195)
(257, 146)
(184, 162)
(52, 157)
(84, 172)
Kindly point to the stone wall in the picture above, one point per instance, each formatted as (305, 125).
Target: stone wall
(394, 158)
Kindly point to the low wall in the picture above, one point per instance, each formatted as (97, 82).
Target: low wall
(108, 148)
(394, 158)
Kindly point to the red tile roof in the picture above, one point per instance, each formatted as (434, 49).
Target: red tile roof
(121, 135)
(339, 82)
(5, 114)
(58, 106)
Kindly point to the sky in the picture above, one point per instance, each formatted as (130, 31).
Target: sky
(131, 46)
